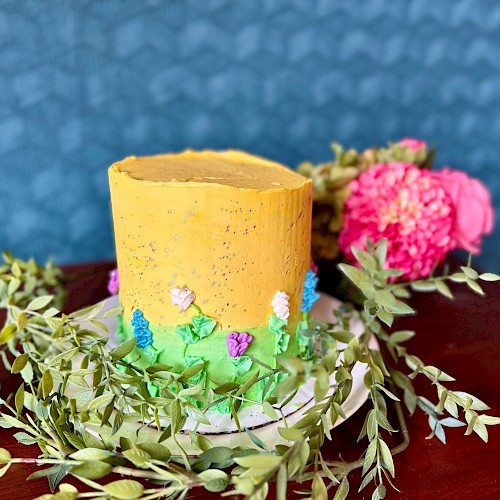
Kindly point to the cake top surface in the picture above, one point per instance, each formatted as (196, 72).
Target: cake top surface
(227, 168)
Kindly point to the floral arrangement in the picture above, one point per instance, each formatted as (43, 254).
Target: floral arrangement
(69, 378)
(392, 193)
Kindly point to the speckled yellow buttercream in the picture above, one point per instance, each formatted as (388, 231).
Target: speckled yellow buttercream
(233, 227)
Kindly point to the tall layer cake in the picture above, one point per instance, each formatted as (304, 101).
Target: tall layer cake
(213, 250)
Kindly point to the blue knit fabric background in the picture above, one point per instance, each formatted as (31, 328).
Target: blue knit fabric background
(85, 83)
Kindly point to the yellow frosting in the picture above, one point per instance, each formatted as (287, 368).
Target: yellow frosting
(233, 227)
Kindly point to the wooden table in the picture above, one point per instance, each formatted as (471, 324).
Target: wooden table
(462, 337)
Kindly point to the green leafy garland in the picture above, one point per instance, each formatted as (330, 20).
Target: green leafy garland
(55, 355)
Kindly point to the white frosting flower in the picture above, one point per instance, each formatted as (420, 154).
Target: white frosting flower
(182, 297)
(281, 305)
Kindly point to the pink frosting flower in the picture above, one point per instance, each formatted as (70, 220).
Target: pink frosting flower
(237, 344)
(281, 305)
(413, 144)
(182, 297)
(474, 212)
(114, 282)
(406, 205)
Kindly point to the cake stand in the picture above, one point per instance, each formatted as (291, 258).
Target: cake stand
(223, 430)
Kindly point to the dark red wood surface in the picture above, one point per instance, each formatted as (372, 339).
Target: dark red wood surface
(462, 337)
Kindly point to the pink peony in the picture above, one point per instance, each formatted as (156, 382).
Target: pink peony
(406, 205)
(413, 144)
(474, 212)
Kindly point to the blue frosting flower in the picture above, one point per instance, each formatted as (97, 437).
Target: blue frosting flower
(142, 333)
(309, 295)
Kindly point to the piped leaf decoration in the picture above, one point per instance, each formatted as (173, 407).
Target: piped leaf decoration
(199, 376)
(186, 333)
(241, 366)
(276, 324)
(203, 326)
(282, 339)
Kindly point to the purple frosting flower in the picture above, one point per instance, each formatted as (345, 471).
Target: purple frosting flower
(237, 343)
(114, 283)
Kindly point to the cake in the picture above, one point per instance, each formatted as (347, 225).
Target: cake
(213, 250)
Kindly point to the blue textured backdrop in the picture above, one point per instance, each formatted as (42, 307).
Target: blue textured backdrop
(85, 83)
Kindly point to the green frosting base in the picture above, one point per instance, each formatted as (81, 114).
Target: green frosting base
(168, 348)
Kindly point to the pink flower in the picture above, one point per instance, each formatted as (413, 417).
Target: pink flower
(413, 144)
(281, 305)
(474, 213)
(237, 344)
(182, 297)
(406, 205)
(114, 282)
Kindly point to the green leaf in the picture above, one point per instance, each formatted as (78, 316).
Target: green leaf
(19, 363)
(366, 260)
(319, 491)
(24, 438)
(369, 477)
(385, 317)
(401, 336)
(200, 441)
(57, 476)
(488, 420)
(47, 383)
(281, 483)
(92, 470)
(475, 287)
(371, 453)
(386, 456)
(489, 277)
(196, 414)
(342, 490)
(387, 392)
(226, 387)
(343, 336)
(124, 489)
(101, 402)
(155, 450)
(176, 416)
(214, 480)
(290, 434)
(8, 332)
(40, 302)
(4, 469)
(379, 492)
(358, 278)
(217, 454)
(91, 454)
(19, 399)
(469, 272)
(139, 458)
(203, 326)
(123, 349)
(444, 289)
(477, 404)
(4, 456)
(257, 441)
(270, 411)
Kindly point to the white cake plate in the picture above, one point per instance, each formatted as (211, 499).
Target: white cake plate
(223, 430)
